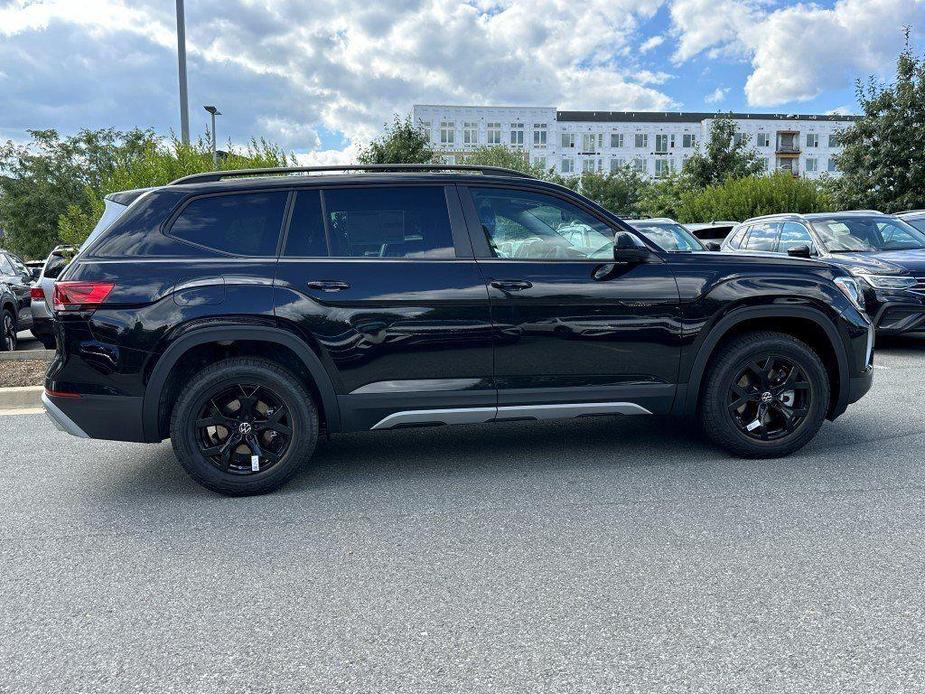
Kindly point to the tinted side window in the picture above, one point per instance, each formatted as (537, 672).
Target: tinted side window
(306, 228)
(54, 266)
(792, 235)
(762, 237)
(528, 225)
(736, 240)
(240, 224)
(383, 222)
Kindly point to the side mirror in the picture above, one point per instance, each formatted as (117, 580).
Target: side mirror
(802, 251)
(629, 250)
(712, 246)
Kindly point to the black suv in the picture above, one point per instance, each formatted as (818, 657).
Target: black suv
(885, 253)
(241, 313)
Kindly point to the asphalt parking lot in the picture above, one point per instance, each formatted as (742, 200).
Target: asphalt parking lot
(590, 555)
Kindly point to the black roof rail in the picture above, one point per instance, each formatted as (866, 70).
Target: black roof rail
(213, 176)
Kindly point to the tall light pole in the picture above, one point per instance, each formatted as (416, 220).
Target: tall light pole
(215, 112)
(181, 58)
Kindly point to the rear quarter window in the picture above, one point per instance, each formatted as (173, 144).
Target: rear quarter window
(246, 224)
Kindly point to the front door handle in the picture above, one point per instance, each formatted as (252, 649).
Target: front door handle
(328, 285)
(511, 285)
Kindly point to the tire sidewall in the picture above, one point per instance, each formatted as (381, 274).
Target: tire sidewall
(7, 319)
(732, 365)
(303, 417)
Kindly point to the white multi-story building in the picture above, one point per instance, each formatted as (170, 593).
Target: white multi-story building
(654, 143)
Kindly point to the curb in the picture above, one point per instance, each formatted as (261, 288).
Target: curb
(28, 355)
(22, 398)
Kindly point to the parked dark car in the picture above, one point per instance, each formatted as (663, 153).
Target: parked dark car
(15, 313)
(885, 253)
(914, 218)
(242, 313)
(669, 235)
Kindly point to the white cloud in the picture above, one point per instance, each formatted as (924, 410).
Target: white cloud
(840, 111)
(800, 51)
(717, 95)
(291, 70)
(651, 43)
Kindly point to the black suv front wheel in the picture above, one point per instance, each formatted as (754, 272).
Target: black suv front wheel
(765, 395)
(244, 426)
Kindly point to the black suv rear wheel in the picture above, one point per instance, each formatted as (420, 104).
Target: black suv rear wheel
(765, 396)
(244, 426)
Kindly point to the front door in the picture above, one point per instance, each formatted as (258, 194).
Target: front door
(17, 277)
(382, 280)
(575, 332)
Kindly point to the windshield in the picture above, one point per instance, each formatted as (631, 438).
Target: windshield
(867, 234)
(669, 236)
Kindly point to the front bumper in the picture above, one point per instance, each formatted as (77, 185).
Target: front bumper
(860, 385)
(896, 318)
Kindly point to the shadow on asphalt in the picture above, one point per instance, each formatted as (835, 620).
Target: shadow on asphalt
(913, 343)
(514, 449)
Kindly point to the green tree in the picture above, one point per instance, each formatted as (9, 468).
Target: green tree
(661, 197)
(727, 154)
(401, 143)
(499, 155)
(49, 174)
(741, 198)
(157, 164)
(620, 191)
(883, 156)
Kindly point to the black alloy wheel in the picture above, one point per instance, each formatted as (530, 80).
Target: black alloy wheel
(770, 398)
(8, 339)
(244, 429)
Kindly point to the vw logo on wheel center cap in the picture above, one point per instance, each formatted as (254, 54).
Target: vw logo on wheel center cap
(245, 428)
(766, 398)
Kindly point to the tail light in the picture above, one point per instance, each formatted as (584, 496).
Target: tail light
(80, 296)
(37, 294)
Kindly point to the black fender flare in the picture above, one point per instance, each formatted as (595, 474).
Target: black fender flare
(688, 397)
(201, 336)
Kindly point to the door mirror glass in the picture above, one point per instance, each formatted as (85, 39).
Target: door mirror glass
(628, 249)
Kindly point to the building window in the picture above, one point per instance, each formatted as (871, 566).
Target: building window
(494, 133)
(591, 143)
(833, 139)
(812, 165)
(540, 162)
(539, 134)
(425, 126)
(568, 165)
(517, 134)
(639, 165)
(763, 140)
(592, 165)
(765, 164)
(689, 140)
(616, 140)
(447, 133)
(617, 164)
(568, 140)
(449, 159)
(832, 167)
(662, 167)
(738, 138)
(642, 140)
(470, 133)
(812, 140)
(661, 145)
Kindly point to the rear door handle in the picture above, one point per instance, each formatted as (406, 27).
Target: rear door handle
(328, 285)
(511, 285)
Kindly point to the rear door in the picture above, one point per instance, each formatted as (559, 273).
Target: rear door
(381, 279)
(576, 333)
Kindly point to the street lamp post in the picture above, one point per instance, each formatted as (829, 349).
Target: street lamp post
(215, 112)
(181, 59)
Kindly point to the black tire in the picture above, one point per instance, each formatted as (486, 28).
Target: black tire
(8, 338)
(191, 440)
(791, 416)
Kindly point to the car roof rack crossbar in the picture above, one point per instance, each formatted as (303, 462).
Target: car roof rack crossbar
(213, 176)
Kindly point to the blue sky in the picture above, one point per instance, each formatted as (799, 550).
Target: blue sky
(320, 77)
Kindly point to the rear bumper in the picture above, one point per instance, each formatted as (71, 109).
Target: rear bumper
(42, 326)
(111, 417)
(61, 421)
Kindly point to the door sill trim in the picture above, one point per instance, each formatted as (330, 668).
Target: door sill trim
(480, 415)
